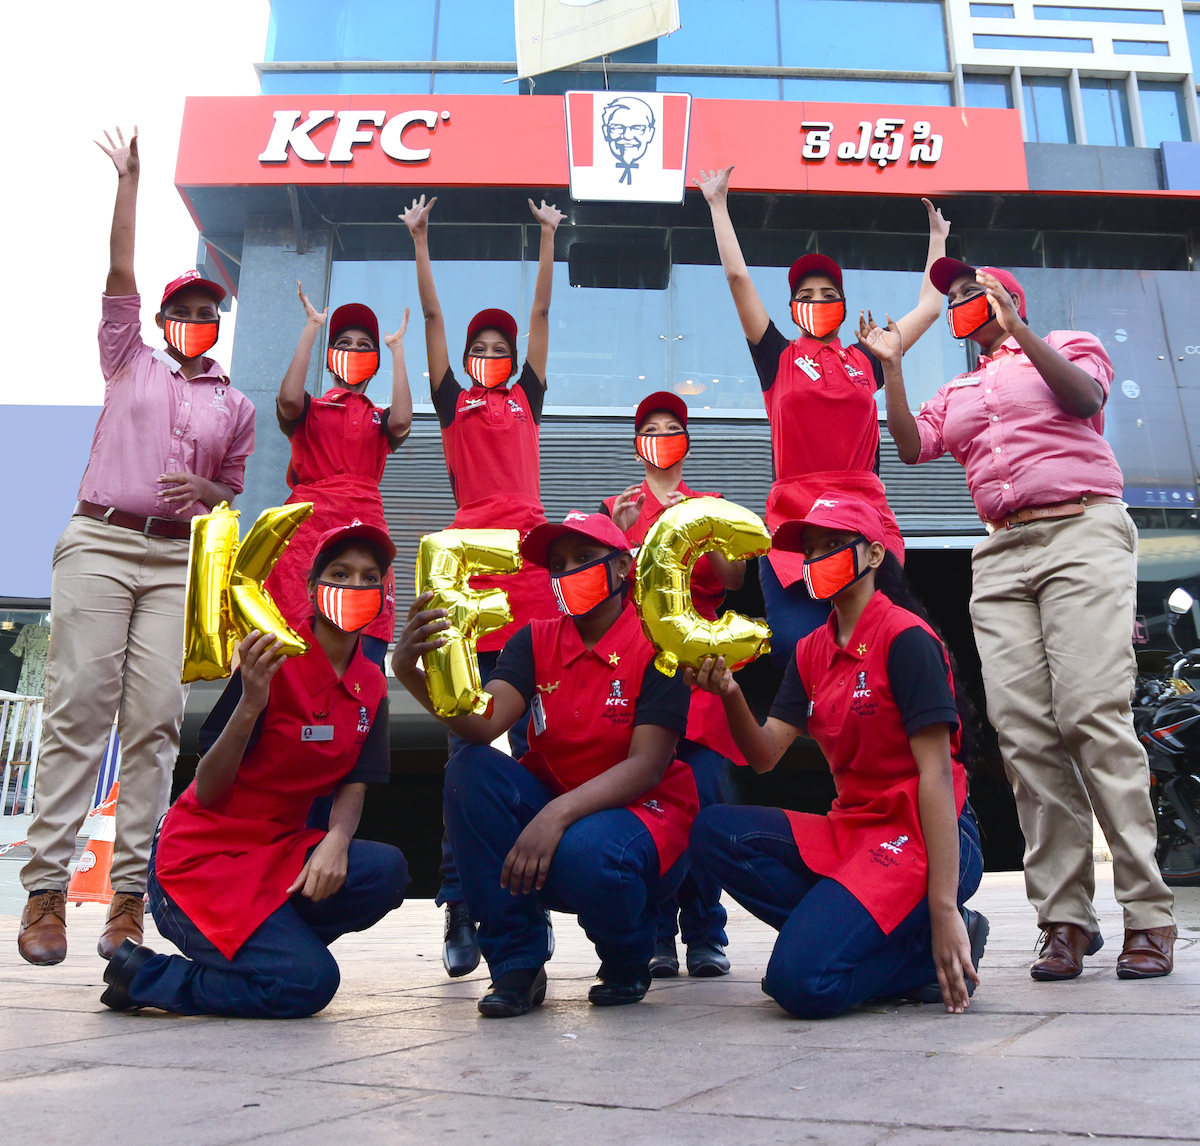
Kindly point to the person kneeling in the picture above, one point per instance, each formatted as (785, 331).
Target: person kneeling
(594, 818)
(238, 883)
(868, 899)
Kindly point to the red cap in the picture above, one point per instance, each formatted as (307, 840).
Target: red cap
(833, 511)
(192, 278)
(945, 271)
(358, 529)
(356, 315)
(597, 526)
(495, 319)
(814, 265)
(661, 400)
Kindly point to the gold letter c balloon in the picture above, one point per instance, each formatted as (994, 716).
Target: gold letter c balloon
(663, 590)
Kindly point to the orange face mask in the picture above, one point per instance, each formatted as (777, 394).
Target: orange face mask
(352, 366)
(819, 318)
(349, 607)
(828, 575)
(189, 337)
(581, 590)
(489, 372)
(661, 450)
(970, 315)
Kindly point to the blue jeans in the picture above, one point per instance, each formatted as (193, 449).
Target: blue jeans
(284, 970)
(605, 869)
(830, 954)
(791, 612)
(697, 903)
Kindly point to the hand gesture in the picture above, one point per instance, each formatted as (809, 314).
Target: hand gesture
(392, 341)
(939, 225)
(124, 155)
(549, 216)
(712, 677)
(317, 318)
(260, 660)
(1002, 302)
(528, 863)
(714, 184)
(419, 636)
(628, 508)
(182, 490)
(416, 218)
(324, 871)
(952, 958)
(886, 343)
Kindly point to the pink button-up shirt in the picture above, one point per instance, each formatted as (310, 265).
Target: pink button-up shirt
(1019, 446)
(155, 421)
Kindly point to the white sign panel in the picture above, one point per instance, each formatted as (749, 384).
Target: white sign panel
(628, 147)
(558, 33)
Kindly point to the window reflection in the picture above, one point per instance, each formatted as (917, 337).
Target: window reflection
(987, 91)
(723, 32)
(1106, 112)
(1164, 114)
(1047, 109)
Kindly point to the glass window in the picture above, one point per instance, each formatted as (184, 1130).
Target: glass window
(1106, 112)
(992, 11)
(723, 32)
(1191, 21)
(892, 35)
(476, 83)
(1032, 43)
(868, 91)
(1047, 109)
(334, 83)
(350, 30)
(987, 91)
(1141, 48)
(719, 87)
(1100, 15)
(469, 30)
(1164, 114)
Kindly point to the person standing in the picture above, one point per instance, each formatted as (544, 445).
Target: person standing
(1054, 592)
(171, 442)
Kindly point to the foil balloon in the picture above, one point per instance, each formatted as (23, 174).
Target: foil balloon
(225, 595)
(446, 562)
(663, 589)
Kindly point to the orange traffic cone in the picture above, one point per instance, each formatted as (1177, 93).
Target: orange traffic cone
(90, 883)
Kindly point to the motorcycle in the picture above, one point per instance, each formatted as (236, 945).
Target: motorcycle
(1166, 713)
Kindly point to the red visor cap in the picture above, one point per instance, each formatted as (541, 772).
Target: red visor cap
(496, 319)
(662, 400)
(359, 529)
(833, 511)
(814, 265)
(597, 526)
(357, 316)
(192, 279)
(945, 271)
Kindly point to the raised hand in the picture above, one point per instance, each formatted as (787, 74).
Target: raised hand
(628, 508)
(886, 343)
(1002, 302)
(391, 341)
(317, 318)
(547, 214)
(124, 155)
(714, 184)
(416, 217)
(939, 225)
(260, 660)
(419, 636)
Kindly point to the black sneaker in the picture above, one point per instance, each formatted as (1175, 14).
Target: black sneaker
(460, 947)
(119, 973)
(620, 985)
(665, 964)
(707, 960)
(978, 929)
(514, 993)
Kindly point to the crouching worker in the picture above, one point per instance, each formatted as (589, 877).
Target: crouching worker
(867, 899)
(238, 883)
(594, 818)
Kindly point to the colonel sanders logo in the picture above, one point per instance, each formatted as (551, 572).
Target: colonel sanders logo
(628, 126)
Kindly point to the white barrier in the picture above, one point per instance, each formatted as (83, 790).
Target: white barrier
(20, 742)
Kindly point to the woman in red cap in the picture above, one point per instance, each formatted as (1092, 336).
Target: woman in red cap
(661, 441)
(593, 819)
(490, 436)
(868, 899)
(248, 893)
(820, 400)
(340, 443)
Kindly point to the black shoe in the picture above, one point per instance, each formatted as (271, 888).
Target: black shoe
(514, 993)
(124, 964)
(978, 929)
(665, 964)
(460, 947)
(707, 960)
(620, 985)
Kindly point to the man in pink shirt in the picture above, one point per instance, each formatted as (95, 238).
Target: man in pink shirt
(171, 442)
(1052, 605)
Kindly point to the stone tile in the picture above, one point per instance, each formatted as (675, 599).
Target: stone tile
(1167, 1038)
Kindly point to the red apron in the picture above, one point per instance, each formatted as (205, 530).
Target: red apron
(871, 841)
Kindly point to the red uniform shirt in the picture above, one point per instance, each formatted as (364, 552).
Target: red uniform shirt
(861, 704)
(707, 723)
(820, 401)
(340, 443)
(586, 704)
(228, 867)
(490, 438)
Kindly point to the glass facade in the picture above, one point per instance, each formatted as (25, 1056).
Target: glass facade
(1164, 113)
(900, 35)
(987, 91)
(1047, 109)
(1101, 15)
(1106, 112)
(1032, 43)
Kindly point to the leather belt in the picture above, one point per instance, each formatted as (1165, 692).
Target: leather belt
(1046, 512)
(147, 526)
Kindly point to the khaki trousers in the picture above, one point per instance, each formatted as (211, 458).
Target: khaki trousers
(1053, 605)
(116, 646)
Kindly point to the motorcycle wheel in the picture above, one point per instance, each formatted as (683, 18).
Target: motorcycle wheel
(1178, 851)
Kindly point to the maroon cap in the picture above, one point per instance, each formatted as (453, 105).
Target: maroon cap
(833, 511)
(192, 278)
(354, 315)
(661, 400)
(496, 319)
(358, 530)
(814, 265)
(597, 526)
(946, 271)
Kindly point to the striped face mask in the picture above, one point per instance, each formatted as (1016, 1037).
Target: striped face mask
(349, 607)
(352, 366)
(191, 337)
(661, 450)
(819, 318)
(581, 590)
(489, 372)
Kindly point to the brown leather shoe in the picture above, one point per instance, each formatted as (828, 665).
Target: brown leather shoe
(43, 936)
(1147, 954)
(1063, 947)
(124, 922)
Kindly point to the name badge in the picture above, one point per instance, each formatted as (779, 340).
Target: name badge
(317, 732)
(809, 367)
(537, 714)
(965, 380)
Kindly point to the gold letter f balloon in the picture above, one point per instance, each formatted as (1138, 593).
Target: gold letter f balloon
(225, 594)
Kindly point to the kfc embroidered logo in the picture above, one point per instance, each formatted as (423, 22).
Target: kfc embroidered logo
(364, 721)
(860, 689)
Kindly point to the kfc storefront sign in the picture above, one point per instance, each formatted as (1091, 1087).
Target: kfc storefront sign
(625, 147)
